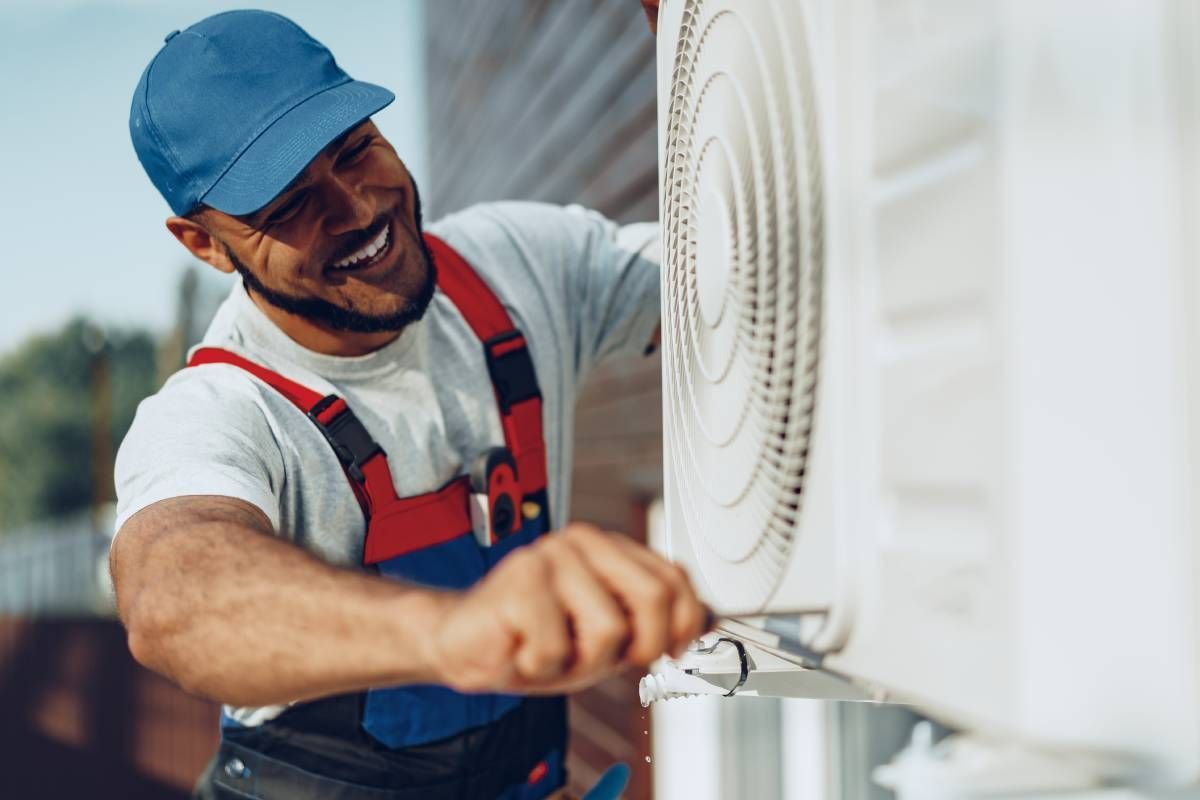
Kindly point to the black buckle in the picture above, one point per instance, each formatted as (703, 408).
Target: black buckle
(346, 434)
(512, 372)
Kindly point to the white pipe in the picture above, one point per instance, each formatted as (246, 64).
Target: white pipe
(721, 665)
(713, 665)
(673, 682)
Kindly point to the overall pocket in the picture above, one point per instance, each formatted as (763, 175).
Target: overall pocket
(239, 773)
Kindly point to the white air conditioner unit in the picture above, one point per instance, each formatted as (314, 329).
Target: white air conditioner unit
(931, 326)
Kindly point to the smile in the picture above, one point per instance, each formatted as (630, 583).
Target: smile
(372, 253)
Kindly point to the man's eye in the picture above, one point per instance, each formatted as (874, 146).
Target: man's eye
(355, 151)
(285, 211)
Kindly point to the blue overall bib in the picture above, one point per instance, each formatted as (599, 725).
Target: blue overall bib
(430, 539)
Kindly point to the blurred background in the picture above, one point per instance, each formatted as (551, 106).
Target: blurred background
(549, 100)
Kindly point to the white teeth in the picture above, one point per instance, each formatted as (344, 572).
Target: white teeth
(367, 252)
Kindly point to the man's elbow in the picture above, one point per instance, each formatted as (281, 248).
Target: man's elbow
(147, 616)
(157, 642)
(145, 627)
(142, 648)
(168, 615)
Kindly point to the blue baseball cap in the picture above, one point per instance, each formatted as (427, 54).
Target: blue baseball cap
(233, 108)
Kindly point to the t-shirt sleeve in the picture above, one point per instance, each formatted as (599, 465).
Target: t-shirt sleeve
(598, 279)
(614, 287)
(199, 435)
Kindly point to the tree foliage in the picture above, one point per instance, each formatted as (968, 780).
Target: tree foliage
(48, 387)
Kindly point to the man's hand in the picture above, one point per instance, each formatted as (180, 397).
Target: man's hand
(651, 8)
(561, 614)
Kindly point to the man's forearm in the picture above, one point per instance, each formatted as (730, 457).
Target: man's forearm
(231, 612)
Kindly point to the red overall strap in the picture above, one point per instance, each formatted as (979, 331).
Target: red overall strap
(301, 396)
(394, 525)
(375, 487)
(508, 359)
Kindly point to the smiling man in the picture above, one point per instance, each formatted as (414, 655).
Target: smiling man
(346, 519)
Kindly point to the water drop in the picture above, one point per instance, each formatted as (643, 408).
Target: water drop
(647, 759)
(645, 733)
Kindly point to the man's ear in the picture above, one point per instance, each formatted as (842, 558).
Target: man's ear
(199, 242)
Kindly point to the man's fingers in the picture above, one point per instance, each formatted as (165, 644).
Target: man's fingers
(690, 618)
(647, 599)
(598, 622)
(544, 645)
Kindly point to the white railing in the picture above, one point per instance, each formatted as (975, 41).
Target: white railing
(55, 569)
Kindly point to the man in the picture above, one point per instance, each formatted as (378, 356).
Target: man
(346, 519)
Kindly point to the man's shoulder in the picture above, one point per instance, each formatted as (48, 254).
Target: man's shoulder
(519, 225)
(215, 391)
(207, 430)
(521, 245)
(493, 213)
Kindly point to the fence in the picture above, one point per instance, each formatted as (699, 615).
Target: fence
(81, 718)
(56, 569)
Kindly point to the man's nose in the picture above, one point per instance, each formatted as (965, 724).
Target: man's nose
(348, 209)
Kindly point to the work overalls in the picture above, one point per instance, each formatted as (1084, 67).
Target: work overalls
(425, 742)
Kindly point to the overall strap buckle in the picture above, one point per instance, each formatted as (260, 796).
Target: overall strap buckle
(345, 433)
(511, 369)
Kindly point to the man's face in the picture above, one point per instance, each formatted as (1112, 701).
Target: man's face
(307, 251)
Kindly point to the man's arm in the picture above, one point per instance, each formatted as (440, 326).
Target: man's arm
(214, 600)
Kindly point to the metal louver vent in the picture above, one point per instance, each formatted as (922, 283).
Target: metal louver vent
(743, 238)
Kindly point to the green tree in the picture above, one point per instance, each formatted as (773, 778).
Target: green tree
(49, 386)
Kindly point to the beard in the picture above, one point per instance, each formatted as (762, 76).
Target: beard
(335, 317)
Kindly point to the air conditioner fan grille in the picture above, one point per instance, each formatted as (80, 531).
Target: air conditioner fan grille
(742, 228)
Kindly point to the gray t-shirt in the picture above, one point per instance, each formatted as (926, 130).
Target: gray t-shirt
(580, 288)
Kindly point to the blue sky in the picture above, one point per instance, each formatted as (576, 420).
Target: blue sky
(82, 226)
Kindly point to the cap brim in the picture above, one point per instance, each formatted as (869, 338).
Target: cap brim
(275, 158)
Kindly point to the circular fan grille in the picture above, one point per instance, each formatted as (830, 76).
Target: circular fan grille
(742, 224)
